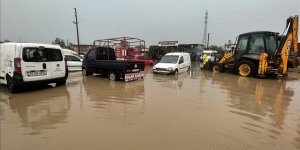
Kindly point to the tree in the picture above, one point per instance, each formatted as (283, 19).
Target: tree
(213, 47)
(157, 51)
(70, 45)
(5, 41)
(220, 49)
(59, 42)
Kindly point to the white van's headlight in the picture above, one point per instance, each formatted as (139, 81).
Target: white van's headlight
(154, 67)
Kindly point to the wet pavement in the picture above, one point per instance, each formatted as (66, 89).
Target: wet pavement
(199, 110)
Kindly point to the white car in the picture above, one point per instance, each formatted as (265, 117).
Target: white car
(211, 54)
(74, 62)
(173, 63)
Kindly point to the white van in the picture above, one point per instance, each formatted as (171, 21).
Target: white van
(30, 63)
(173, 63)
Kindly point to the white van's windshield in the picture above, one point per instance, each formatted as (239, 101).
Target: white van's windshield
(41, 55)
(169, 59)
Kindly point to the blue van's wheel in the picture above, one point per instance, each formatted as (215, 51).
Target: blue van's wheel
(112, 76)
(85, 72)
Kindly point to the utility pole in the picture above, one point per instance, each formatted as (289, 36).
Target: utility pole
(76, 22)
(205, 29)
(207, 40)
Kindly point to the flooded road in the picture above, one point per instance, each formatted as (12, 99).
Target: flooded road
(199, 110)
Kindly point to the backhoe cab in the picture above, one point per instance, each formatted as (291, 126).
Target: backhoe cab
(261, 53)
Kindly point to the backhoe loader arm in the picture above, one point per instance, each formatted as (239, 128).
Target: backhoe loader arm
(288, 45)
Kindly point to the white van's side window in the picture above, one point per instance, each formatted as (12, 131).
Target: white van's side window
(181, 60)
(56, 55)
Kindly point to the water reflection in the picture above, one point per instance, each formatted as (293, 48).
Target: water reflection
(40, 110)
(119, 101)
(262, 100)
(297, 139)
(171, 81)
(103, 90)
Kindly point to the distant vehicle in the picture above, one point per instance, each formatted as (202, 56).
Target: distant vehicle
(211, 55)
(22, 64)
(148, 62)
(262, 53)
(74, 62)
(173, 63)
(123, 46)
(71, 52)
(102, 60)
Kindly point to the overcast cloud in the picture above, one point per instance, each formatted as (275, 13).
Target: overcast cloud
(152, 20)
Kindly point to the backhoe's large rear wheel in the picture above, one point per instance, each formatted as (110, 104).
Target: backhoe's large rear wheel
(247, 68)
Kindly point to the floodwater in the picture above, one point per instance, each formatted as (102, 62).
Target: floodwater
(199, 110)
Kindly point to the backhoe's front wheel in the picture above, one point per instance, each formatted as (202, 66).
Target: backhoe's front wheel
(218, 68)
(247, 68)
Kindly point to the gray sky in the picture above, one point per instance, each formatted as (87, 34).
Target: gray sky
(152, 20)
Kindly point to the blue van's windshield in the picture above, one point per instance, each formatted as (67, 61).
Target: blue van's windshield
(169, 59)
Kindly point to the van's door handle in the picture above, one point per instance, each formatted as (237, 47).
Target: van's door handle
(44, 66)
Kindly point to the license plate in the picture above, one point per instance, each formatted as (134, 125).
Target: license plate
(36, 73)
(133, 76)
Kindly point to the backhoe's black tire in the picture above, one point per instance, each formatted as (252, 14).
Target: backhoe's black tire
(218, 68)
(85, 72)
(247, 68)
(12, 86)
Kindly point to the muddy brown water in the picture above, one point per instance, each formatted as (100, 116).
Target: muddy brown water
(199, 110)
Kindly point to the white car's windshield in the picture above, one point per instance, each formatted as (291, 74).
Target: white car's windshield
(169, 59)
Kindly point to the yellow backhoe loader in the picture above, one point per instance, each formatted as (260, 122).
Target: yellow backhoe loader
(261, 53)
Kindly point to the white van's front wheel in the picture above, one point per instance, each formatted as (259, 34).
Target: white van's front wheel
(188, 70)
(175, 72)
